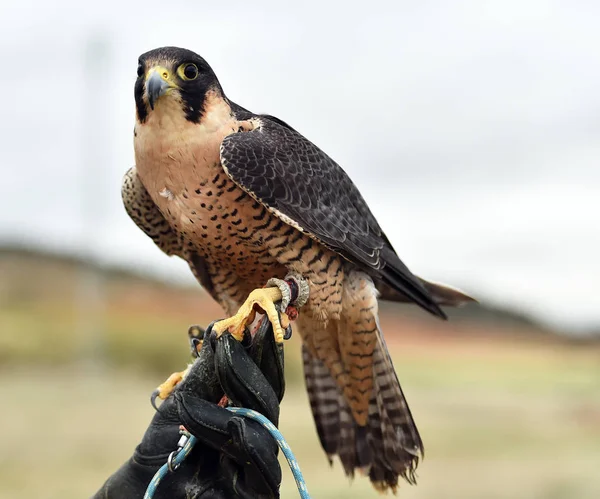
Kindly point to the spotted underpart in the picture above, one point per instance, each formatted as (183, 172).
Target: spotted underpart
(244, 198)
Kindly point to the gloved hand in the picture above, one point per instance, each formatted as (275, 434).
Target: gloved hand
(234, 456)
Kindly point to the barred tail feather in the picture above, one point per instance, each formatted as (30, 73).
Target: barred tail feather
(400, 440)
(389, 446)
(338, 432)
(324, 398)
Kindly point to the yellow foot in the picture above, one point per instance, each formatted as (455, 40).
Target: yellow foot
(165, 389)
(265, 298)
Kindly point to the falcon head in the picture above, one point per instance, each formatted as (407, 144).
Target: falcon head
(176, 76)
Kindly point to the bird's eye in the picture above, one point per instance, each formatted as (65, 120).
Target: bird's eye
(140, 70)
(188, 71)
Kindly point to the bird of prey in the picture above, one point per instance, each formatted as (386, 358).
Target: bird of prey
(243, 197)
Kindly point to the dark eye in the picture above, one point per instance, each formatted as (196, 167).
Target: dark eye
(190, 71)
(140, 70)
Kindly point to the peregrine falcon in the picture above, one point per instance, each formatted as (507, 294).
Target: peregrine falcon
(243, 197)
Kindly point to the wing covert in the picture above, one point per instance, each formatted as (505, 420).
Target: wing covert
(306, 188)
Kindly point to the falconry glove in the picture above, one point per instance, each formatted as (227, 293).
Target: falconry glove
(234, 456)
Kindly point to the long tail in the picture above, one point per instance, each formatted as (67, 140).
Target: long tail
(442, 294)
(389, 446)
(395, 440)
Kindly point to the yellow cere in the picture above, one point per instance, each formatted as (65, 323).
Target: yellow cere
(164, 74)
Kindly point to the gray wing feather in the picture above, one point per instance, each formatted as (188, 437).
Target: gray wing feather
(294, 178)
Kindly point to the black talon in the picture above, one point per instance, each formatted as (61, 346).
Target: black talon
(196, 334)
(288, 332)
(153, 398)
(195, 345)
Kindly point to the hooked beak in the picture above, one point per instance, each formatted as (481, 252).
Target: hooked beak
(157, 84)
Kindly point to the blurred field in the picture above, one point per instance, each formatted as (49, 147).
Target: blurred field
(504, 412)
(500, 420)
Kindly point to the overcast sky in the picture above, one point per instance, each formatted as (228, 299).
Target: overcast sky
(472, 128)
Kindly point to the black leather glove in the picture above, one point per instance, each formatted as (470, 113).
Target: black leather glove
(234, 456)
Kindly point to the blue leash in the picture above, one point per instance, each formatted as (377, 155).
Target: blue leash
(283, 445)
(187, 442)
(184, 447)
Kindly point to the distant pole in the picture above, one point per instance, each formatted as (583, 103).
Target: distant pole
(90, 301)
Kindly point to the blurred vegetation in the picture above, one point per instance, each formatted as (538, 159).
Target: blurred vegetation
(142, 321)
(506, 408)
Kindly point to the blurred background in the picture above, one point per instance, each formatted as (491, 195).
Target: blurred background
(470, 127)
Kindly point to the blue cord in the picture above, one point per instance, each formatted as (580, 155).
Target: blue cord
(283, 445)
(187, 442)
(185, 446)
